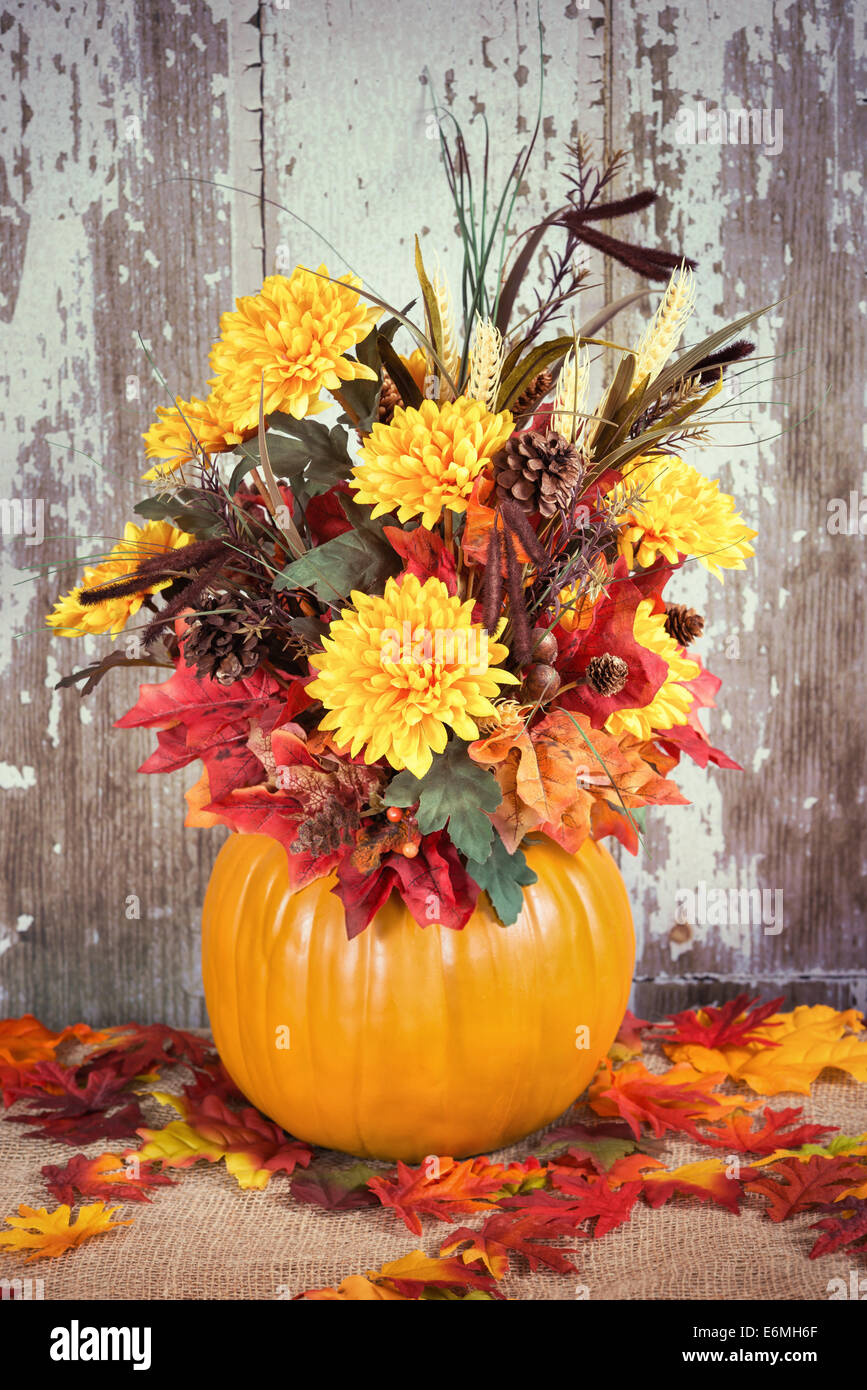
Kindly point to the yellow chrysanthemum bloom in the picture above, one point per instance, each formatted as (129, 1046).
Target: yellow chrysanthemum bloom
(681, 511)
(72, 618)
(427, 460)
(396, 671)
(417, 366)
(295, 331)
(671, 703)
(180, 431)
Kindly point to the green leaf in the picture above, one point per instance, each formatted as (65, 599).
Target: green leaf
(359, 559)
(196, 519)
(503, 876)
(300, 449)
(409, 392)
(454, 790)
(520, 376)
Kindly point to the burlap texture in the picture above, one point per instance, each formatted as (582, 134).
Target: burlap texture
(206, 1239)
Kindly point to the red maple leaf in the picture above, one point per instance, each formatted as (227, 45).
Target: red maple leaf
(735, 1134)
(608, 1206)
(443, 1190)
(733, 1025)
(434, 886)
(793, 1185)
(336, 1189)
(845, 1226)
(72, 1112)
(520, 1233)
(106, 1177)
(675, 1100)
(138, 1048)
(425, 555)
(611, 630)
(691, 738)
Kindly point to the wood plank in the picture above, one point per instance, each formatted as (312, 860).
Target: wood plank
(786, 636)
(105, 111)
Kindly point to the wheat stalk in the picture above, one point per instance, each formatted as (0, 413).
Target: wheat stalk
(665, 330)
(486, 363)
(450, 353)
(570, 401)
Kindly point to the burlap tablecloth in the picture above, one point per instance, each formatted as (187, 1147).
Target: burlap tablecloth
(207, 1239)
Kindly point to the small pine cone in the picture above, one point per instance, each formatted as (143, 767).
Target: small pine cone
(223, 646)
(539, 471)
(683, 624)
(389, 398)
(534, 394)
(606, 674)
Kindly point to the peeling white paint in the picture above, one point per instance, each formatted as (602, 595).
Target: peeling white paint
(16, 778)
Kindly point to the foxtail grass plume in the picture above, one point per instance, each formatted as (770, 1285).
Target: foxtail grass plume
(570, 402)
(666, 328)
(486, 363)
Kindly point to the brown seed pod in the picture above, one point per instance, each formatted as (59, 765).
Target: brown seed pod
(544, 645)
(541, 683)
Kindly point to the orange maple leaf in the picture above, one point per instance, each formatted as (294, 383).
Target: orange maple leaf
(447, 1189)
(25, 1041)
(677, 1099)
(47, 1234)
(806, 1040)
(410, 1277)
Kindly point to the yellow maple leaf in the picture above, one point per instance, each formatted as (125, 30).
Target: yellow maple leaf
(51, 1233)
(809, 1039)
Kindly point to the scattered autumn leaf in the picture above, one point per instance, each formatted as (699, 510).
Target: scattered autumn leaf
(809, 1039)
(106, 1177)
(253, 1148)
(675, 1100)
(47, 1234)
(736, 1024)
(337, 1189)
(846, 1228)
(735, 1133)
(792, 1186)
(444, 1188)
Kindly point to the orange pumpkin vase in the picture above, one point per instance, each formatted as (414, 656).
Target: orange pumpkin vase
(410, 1041)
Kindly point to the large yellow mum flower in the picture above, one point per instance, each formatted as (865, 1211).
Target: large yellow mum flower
(73, 619)
(671, 703)
(427, 460)
(681, 511)
(396, 670)
(181, 431)
(295, 331)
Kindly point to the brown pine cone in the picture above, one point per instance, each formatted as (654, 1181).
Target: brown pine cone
(224, 646)
(389, 397)
(534, 394)
(540, 471)
(683, 624)
(606, 674)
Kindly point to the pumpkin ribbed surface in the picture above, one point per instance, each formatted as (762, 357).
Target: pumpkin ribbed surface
(410, 1041)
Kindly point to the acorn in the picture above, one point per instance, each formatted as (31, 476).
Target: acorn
(541, 683)
(544, 645)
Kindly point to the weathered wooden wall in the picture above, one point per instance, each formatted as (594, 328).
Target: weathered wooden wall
(117, 117)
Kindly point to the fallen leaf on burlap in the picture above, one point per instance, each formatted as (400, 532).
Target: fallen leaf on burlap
(792, 1186)
(591, 1146)
(450, 1189)
(735, 1132)
(629, 1041)
(336, 1189)
(846, 1227)
(809, 1039)
(136, 1049)
(736, 1024)
(105, 1177)
(78, 1107)
(413, 1276)
(517, 1232)
(253, 1148)
(25, 1041)
(706, 1181)
(609, 1206)
(47, 1234)
(675, 1100)
(854, 1145)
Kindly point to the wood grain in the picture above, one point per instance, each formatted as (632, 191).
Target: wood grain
(116, 122)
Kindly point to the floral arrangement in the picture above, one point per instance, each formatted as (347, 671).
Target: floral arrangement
(410, 641)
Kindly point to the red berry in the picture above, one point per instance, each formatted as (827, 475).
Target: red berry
(394, 814)
(410, 851)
